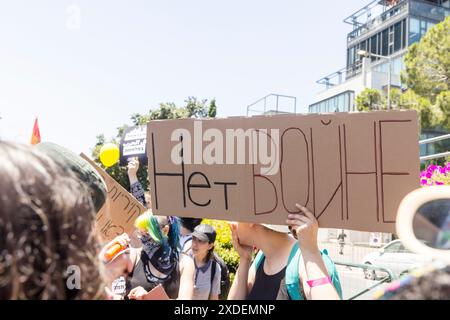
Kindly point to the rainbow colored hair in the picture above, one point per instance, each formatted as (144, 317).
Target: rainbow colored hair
(149, 223)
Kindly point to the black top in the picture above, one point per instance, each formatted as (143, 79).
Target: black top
(141, 276)
(266, 287)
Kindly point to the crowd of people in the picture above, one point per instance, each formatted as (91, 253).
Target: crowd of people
(48, 206)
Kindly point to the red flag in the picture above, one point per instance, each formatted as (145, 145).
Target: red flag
(36, 136)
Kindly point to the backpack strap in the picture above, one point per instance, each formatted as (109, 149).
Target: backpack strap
(183, 245)
(213, 274)
(258, 259)
(292, 279)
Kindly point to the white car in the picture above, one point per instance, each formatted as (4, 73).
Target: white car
(394, 257)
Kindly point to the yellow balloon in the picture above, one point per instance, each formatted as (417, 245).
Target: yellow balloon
(109, 154)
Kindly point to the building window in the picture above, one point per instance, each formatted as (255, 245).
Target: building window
(343, 102)
(374, 46)
(417, 29)
(397, 37)
(404, 32)
(385, 43)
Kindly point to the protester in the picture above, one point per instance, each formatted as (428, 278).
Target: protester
(187, 226)
(285, 268)
(81, 168)
(156, 262)
(341, 239)
(47, 241)
(207, 270)
(136, 188)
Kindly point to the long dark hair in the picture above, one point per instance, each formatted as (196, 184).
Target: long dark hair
(46, 227)
(210, 255)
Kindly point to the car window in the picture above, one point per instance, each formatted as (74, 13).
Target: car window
(395, 247)
(402, 249)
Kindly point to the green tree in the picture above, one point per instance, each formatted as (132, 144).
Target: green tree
(427, 63)
(370, 99)
(193, 108)
(443, 103)
(196, 108)
(395, 95)
(212, 111)
(429, 114)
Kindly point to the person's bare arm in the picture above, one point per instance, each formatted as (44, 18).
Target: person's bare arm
(305, 226)
(244, 279)
(133, 167)
(187, 279)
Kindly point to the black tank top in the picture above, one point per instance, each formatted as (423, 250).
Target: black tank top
(266, 287)
(139, 278)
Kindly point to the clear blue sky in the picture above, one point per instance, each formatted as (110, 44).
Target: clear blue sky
(128, 56)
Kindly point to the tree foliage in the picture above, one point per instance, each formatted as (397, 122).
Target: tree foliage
(427, 63)
(427, 77)
(370, 99)
(193, 108)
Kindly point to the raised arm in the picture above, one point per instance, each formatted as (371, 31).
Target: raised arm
(187, 278)
(316, 281)
(245, 275)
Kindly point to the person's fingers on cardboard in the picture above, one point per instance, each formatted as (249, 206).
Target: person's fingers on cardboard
(311, 216)
(132, 294)
(301, 208)
(299, 217)
(296, 223)
(306, 211)
(301, 228)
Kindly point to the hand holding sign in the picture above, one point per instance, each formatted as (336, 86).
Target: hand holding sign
(133, 167)
(157, 293)
(138, 293)
(304, 227)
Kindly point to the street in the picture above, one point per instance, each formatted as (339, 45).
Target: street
(352, 279)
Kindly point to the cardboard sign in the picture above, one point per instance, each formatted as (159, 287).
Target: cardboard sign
(157, 293)
(134, 144)
(120, 211)
(350, 169)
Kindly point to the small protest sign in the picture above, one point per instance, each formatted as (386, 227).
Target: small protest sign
(120, 211)
(134, 144)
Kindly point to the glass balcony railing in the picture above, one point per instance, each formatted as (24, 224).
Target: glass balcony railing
(421, 8)
(427, 10)
(342, 75)
(372, 24)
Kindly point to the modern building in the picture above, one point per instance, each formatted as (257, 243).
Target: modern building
(383, 30)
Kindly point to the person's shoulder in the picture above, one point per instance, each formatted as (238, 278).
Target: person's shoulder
(186, 259)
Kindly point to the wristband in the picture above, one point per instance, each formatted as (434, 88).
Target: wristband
(319, 282)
